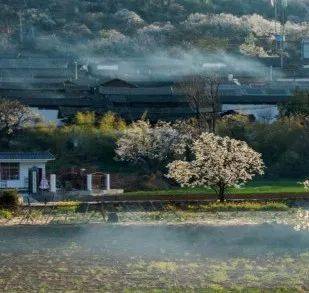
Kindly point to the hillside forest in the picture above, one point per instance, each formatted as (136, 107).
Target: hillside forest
(125, 28)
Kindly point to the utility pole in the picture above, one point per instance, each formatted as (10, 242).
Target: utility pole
(285, 11)
(76, 70)
(21, 33)
(284, 5)
(280, 7)
(275, 3)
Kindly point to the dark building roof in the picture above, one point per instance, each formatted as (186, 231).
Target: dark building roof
(32, 85)
(116, 82)
(254, 91)
(44, 156)
(157, 91)
(33, 63)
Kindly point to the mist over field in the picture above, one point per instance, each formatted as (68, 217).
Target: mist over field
(92, 257)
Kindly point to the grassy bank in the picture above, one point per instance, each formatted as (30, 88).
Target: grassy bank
(256, 187)
(213, 213)
(241, 206)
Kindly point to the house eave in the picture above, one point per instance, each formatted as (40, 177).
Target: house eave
(25, 160)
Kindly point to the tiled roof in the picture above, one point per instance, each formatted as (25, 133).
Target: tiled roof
(166, 91)
(26, 156)
(33, 63)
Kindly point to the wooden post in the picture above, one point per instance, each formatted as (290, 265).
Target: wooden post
(89, 182)
(108, 181)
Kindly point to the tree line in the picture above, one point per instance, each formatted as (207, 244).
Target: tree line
(183, 151)
(130, 28)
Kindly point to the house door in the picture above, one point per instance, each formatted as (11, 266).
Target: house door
(40, 175)
(97, 180)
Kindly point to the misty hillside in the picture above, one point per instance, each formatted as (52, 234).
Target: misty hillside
(135, 27)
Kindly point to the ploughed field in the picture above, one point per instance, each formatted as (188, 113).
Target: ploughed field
(137, 257)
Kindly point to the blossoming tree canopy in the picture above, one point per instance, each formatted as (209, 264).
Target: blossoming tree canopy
(155, 145)
(14, 116)
(220, 163)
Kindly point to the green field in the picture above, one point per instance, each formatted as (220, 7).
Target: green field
(256, 187)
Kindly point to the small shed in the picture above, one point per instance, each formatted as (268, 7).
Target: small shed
(15, 168)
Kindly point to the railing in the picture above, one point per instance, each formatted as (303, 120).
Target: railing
(3, 184)
(82, 213)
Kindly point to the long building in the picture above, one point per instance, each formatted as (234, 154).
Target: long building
(35, 68)
(131, 101)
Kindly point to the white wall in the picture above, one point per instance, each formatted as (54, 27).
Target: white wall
(23, 175)
(262, 113)
(48, 115)
(306, 49)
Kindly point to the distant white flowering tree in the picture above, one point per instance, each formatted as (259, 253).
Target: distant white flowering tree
(220, 163)
(13, 117)
(250, 47)
(306, 184)
(155, 146)
(128, 19)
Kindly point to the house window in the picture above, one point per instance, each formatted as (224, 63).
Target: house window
(9, 171)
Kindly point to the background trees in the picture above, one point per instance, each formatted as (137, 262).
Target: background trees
(91, 141)
(283, 143)
(88, 141)
(219, 163)
(159, 24)
(297, 105)
(202, 92)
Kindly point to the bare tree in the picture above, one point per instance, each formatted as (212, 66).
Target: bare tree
(202, 92)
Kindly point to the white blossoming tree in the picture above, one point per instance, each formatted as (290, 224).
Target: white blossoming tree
(306, 184)
(13, 117)
(155, 146)
(220, 163)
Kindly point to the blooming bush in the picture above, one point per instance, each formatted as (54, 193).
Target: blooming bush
(128, 19)
(154, 146)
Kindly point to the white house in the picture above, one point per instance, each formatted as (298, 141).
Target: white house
(15, 167)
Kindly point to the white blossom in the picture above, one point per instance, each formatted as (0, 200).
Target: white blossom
(143, 143)
(260, 26)
(223, 23)
(14, 116)
(220, 163)
(129, 19)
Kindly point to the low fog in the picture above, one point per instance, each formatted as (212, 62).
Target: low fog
(162, 65)
(159, 241)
